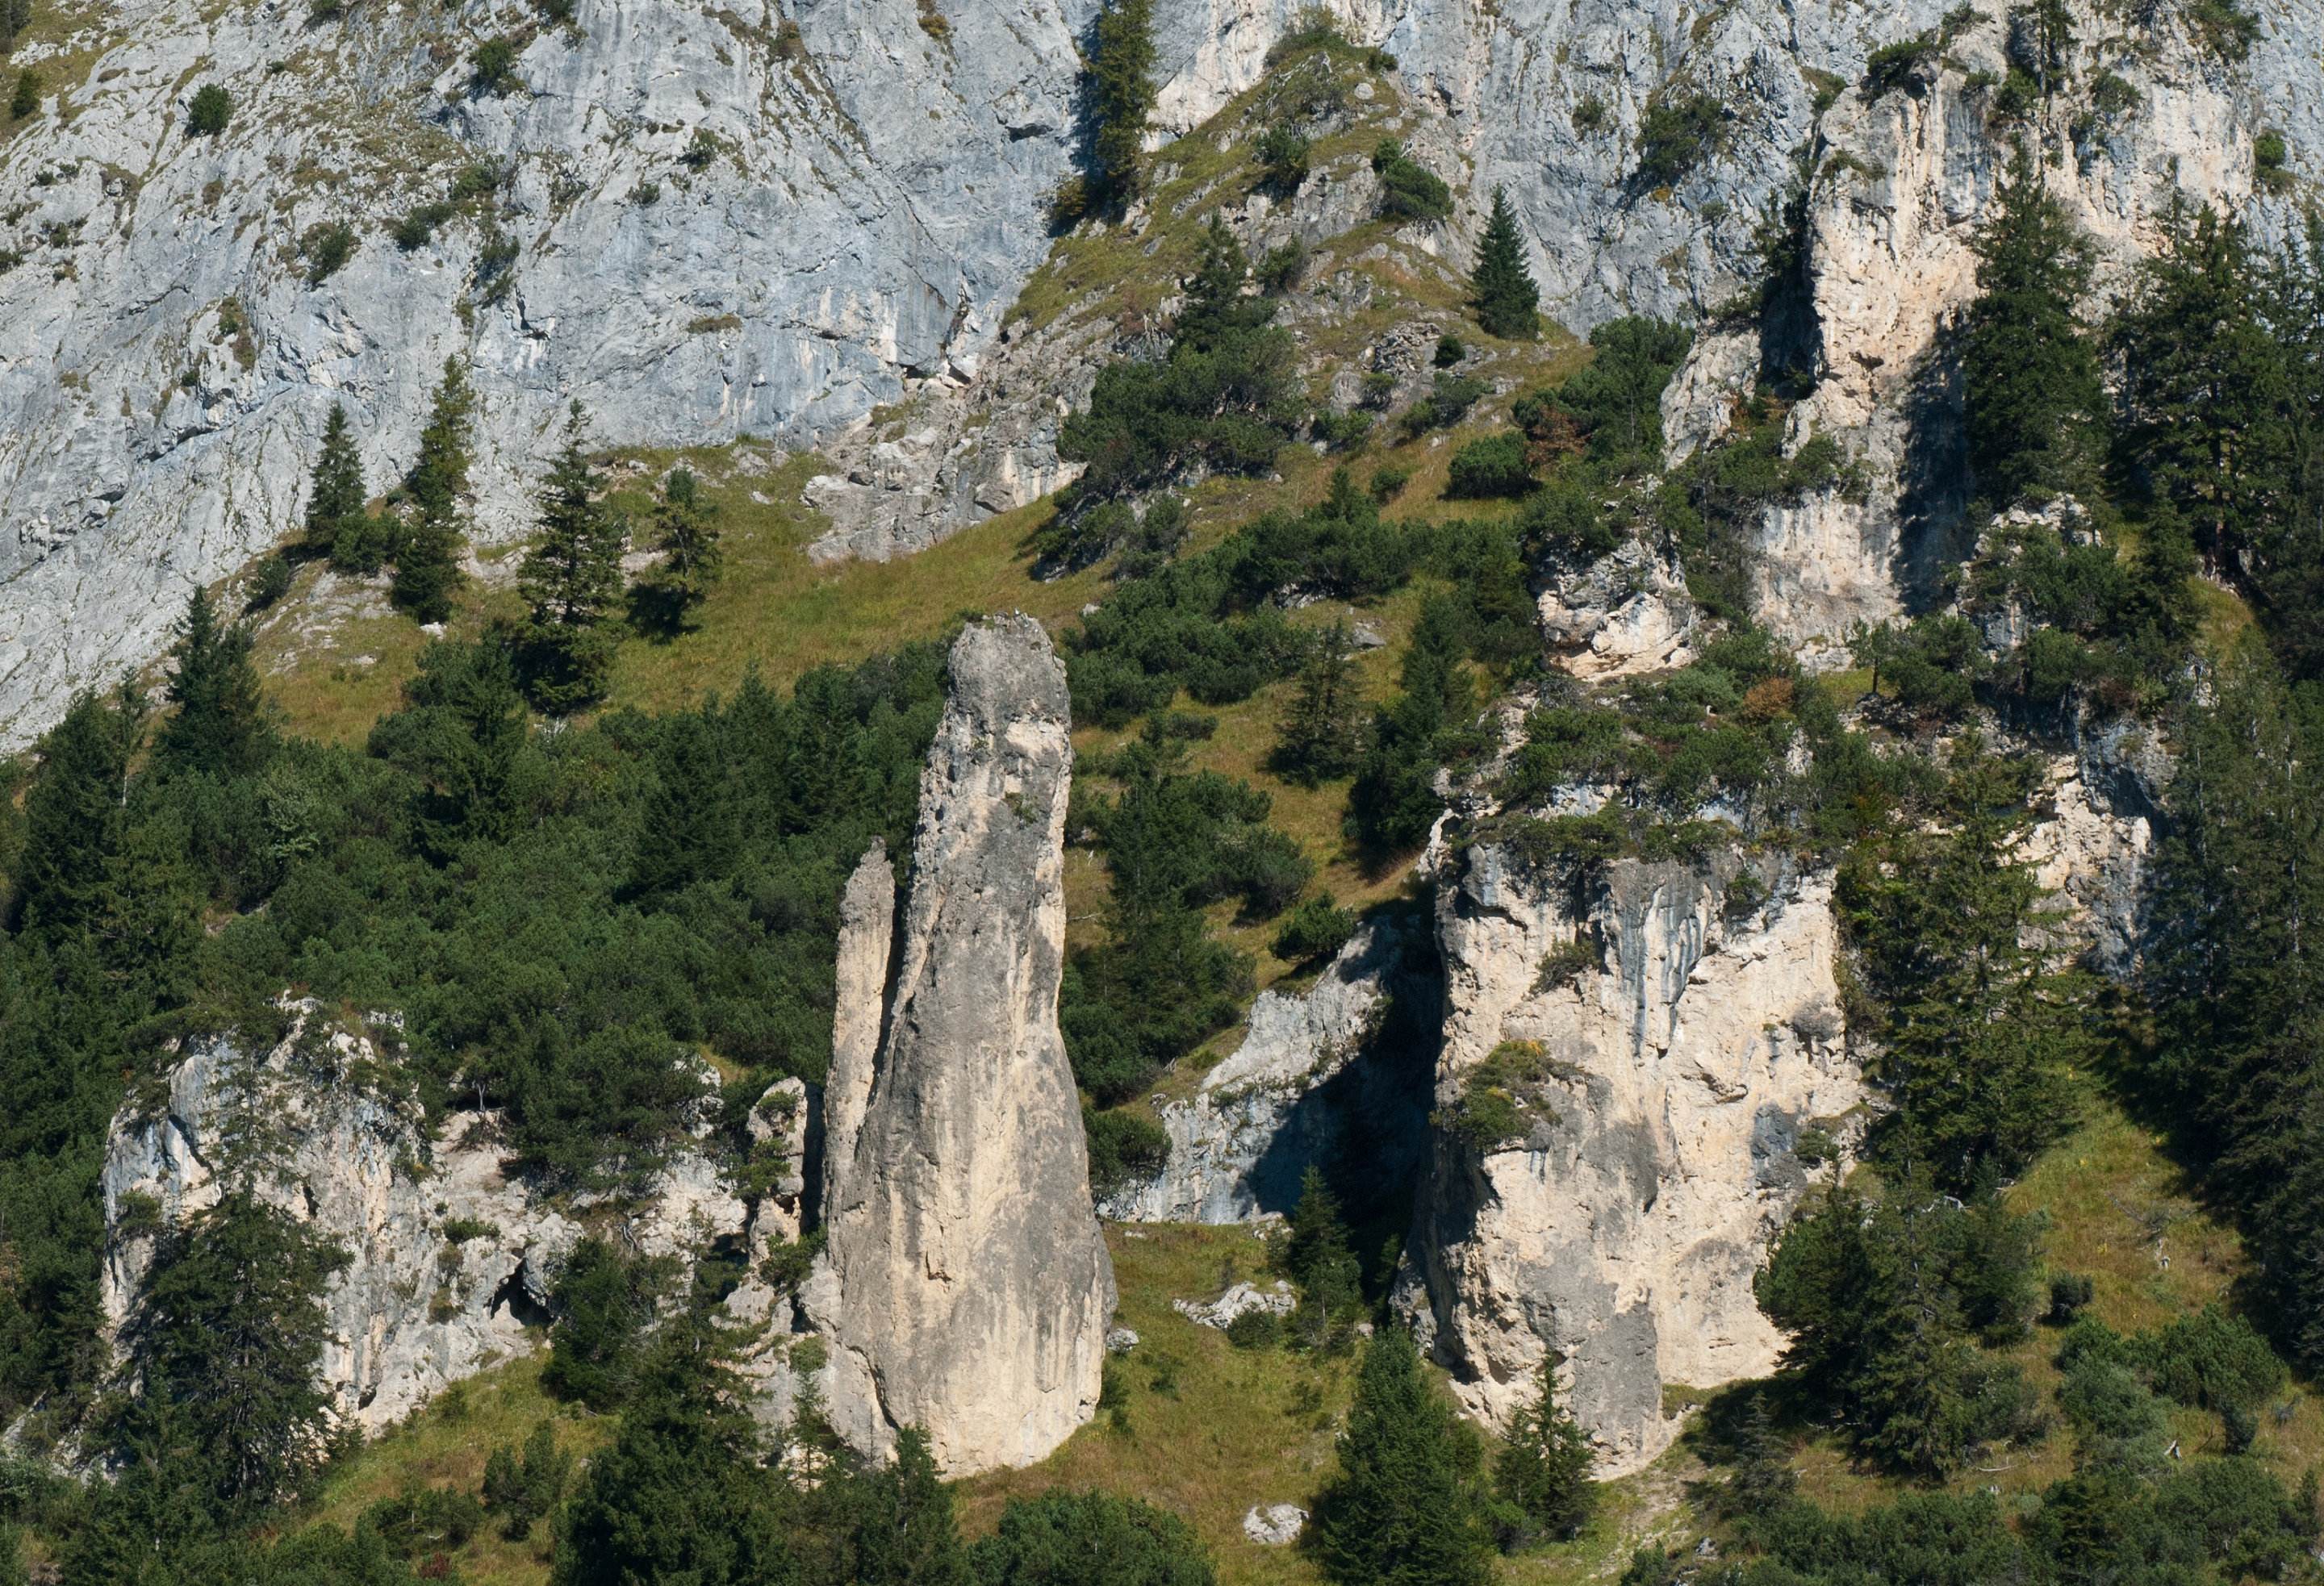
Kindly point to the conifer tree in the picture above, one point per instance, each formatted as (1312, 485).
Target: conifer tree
(1764, 1479)
(689, 831)
(1316, 1256)
(75, 817)
(1500, 288)
(1542, 1479)
(2212, 419)
(220, 726)
(428, 547)
(337, 525)
(570, 580)
(686, 534)
(1406, 1507)
(1123, 90)
(1217, 308)
(2036, 411)
(1321, 737)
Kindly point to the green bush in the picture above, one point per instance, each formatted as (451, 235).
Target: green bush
(1123, 1148)
(26, 100)
(1388, 482)
(1089, 1539)
(1256, 1330)
(1409, 189)
(604, 1303)
(1500, 1100)
(1447, 403)
(270, 583)
(495, 63)
(1676, 136)
(1493, 465)
(211, 109)
(327, 247)
(1317, 929)
(1892, 66)
(1283, 156)
(416, 229)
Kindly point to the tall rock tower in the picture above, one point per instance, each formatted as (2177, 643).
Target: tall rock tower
(973, 1287)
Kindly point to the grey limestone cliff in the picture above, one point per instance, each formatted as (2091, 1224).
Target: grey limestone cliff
(450, 1257)
(966, 1289)
(1675, 1060)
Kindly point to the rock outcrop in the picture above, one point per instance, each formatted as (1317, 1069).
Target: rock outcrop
(450, 1257)
(966, 1289)
(1675, 1056)
(1344, 1067)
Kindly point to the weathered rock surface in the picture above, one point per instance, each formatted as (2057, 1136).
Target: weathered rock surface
(1317, 1074)
(316, 1128)
(1680, 1068)
(1623, 615)
(967, 1289)
(1238, 1301)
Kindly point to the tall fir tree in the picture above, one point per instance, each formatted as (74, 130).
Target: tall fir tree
(686, 535)
(1541, 1482)
(1406, 1509)
(2212, 424)
(1217, 308)
(337, 526)
(428, 544)
(1314, 1254)
(2036, 411)
(1122, 91)
(1501, 288)
(688, 833)
(76, 816)
(1321, 737)
(220, 725)
(570, 581)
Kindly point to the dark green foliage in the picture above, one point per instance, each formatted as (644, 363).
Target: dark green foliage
(1123, 1148)
(211, 109)
(1256, 1330)
(2213, 1361)
(1449, 351)
(1224, 398)
(2035, 410)
(427, 550)
(1501, 1101)
(424, 1520)
(1893, 66)
(688, 833)
(327, 248)
(1388, 482)
(1394, 800)
(1934, 662)
(1676, 135)
(1449, 398)
(1090, 1539)
(1976, 1028)
(269, 584)
(26, 99)
(1541, 1481)
(1314, 1254)
(570, 581)
(1406, 1507)
(1321, 735)
(1282, 157)
(1764, 1479)
(2269, 153)
(1122, 85)
(1316, 931)
(224, 1345)
(336, 524)
(496, 64)
(1494, 466)
(1877, 1299)
(522, 1492)
(219, 727)
(1501, 288)
(417, 227)
(1409, 190)
(1612, 405)
(1279, 269)
(605, 1302)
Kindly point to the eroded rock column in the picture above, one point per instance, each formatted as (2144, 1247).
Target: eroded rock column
(968, 1286)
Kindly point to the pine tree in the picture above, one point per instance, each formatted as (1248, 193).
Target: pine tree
(1217, 308)
(1123, 89)
(570, 580)
(686, 535)
(1316, 1256)
(1406, 1507)
(2036, 411)
(220, 726)
(224, 1345)
(689, 831)
(1764, 1479)
(2212, 417)
(1500, 288)
(75, 819)
(904, 1533)
(337, 525)
(1542, 1479)
(427, 547)
(1321, 737)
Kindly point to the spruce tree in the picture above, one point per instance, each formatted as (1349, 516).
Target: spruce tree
(570, 580)
(688, 833)
(1542, 1480)
(1500, 288)
(1314, 1254)
(2036, 411)
(75, 817)
(1321, 737)
(1404, 1508)
(1217, 308)
(2212, 421)
(1764, 1479)
(220, 726)
(428, 547)
(1123, 90)
(337, 526)
(686, 534)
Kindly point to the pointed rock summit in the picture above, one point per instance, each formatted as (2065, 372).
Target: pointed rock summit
(973, 1288)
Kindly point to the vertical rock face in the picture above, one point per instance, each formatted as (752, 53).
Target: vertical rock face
(1342, 1072)
(867, 919)
(969, 1286)
(1675, 1069)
